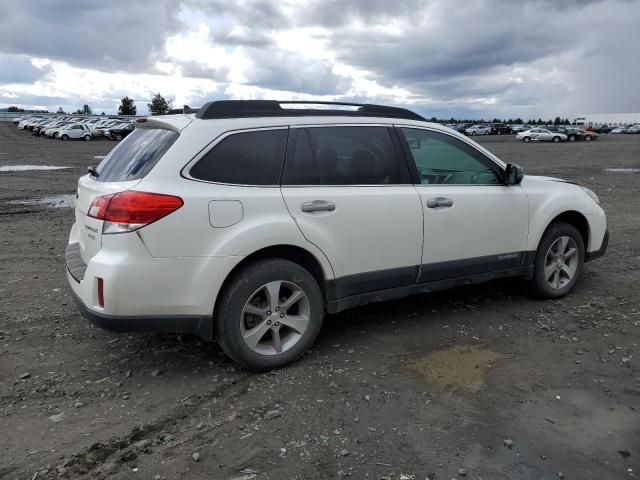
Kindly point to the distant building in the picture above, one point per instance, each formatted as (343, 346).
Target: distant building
(610, 119)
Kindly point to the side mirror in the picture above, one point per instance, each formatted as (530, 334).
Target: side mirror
(513, 174)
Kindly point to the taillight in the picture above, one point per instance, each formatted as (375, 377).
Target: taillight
(128, 211)
(99, 206)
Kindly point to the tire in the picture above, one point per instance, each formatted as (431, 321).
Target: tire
(473, 133)
(556, 139)
(587, 138)
(499, 132)
(572, 138)
(64, 137)
(248, 290)
(55, 135)
(87, 138)
(554, 262)
(526, 139)
(117, 137)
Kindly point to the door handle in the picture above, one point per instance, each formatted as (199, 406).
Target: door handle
(439, 202)
(318, 206)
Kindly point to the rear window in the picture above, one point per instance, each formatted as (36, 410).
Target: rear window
(136, 155)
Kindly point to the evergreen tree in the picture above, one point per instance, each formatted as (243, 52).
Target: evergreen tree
(158, 105)
(127, 107)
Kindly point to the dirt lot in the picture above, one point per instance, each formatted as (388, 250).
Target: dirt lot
(477, 383)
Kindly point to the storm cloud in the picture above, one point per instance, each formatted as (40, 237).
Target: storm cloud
(478, 58)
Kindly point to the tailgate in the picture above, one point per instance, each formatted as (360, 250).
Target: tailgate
(90, 229)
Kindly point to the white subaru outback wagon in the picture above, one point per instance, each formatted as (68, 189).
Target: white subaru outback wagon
(249, 220)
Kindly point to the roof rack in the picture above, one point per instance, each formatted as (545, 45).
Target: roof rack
(273, 108)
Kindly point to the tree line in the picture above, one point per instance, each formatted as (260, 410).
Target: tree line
(510, 121)
(157, 106)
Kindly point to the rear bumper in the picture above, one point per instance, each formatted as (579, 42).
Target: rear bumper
(144, 293)
(589, 256)
(201, 326)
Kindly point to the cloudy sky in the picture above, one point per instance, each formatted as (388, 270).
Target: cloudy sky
(471, 58)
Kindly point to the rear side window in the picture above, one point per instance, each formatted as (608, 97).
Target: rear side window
(299, 168)
(355, 156)
(245, 158)
(136, 155)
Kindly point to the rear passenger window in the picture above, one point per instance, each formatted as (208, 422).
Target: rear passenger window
(246, 158)
(355, 156)
(299, 168)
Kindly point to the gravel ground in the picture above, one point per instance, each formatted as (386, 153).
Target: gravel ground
(480, 382)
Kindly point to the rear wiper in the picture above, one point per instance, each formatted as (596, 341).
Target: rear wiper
(93, 171)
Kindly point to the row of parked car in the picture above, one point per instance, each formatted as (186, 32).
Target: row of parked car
(551, 133)
(66, 127)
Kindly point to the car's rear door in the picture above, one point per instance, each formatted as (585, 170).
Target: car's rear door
(349, 191)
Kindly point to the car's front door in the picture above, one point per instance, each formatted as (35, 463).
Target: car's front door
(473, 222)
(545, 135)
(350, 192)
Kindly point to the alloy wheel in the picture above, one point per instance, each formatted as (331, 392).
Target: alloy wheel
(561, 262)
(275, 317)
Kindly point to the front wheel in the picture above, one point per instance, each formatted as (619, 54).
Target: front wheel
(269, 314)
(87, 137)
(65, 137)
(572, 138)
(558, 261)
(118, 137)
(556, 139)
(587, 138)
(526, 139)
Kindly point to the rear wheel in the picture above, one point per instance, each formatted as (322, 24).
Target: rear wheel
(558, 262)
(118, 137)
(587, 138)
(269, 314)
(87, 137)
(556, 139)
(526, 139)
(572, 138)
(65, 137)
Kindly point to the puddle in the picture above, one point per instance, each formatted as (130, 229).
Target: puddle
(25, 168)
(623, 170)
(55, 201)
(458, 368)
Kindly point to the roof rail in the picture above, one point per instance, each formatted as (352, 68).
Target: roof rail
(273, 108)
(182, 111)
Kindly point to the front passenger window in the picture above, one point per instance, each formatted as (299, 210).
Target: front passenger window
(443, 159)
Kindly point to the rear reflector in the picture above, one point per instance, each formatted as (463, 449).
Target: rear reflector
(128, 211)
(101, 292)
